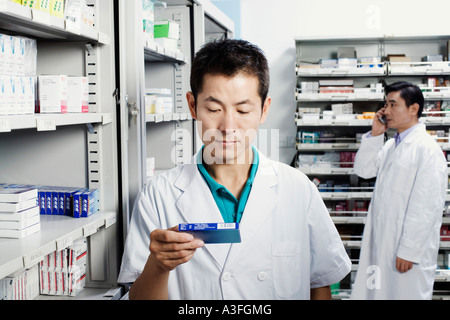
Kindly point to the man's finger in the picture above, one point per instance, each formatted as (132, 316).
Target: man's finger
(171, 235)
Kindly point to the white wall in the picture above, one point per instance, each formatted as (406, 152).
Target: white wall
(272, 25)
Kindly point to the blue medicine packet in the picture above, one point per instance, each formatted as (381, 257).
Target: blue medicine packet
(213, 232)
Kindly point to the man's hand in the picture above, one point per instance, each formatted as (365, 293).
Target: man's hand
(170, 248)
(403, 265)
(378, 127)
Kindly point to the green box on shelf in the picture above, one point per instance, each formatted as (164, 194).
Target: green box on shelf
(166, 29)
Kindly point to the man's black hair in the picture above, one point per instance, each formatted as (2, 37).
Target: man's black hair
(409, 92)
(228, 57)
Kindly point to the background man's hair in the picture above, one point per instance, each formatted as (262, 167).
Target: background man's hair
(409, 92)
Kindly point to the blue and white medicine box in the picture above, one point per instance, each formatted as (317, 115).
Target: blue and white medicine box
(89, 204)
(213, 232)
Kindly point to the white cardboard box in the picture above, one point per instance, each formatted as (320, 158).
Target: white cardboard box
(52, 93)
(77, 95)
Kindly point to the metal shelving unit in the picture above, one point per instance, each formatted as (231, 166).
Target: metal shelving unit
(311, 50)
(66, 149)
(169, 138)
(106, 148)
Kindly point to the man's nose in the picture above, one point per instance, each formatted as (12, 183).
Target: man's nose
(228, 123)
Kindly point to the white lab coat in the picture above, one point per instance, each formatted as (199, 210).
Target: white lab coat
(289, 243)
(404, 216)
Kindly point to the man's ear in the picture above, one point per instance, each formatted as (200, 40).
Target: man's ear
(265, 110)
(191, 103)
(414, 109)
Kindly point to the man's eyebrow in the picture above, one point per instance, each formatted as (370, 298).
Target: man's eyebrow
(212, 99)
(246, 101)
(391, 100)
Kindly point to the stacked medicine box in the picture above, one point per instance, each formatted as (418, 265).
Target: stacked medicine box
(19, 213)
(17, 75)
(63, 273)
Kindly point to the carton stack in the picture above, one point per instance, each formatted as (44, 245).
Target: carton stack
(62, 94)
(21, 285)
(19, 213)
(148, 15)
(68, 201)
(18, 56)
(63, 273)
(336, 86)
(167, 33)
(78, 15)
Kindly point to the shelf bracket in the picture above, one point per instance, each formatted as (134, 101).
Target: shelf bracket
(90, 128)
(90, 49)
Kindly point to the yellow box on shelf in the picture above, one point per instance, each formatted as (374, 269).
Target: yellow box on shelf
(43, 5)
(57, 8)
(29, 3)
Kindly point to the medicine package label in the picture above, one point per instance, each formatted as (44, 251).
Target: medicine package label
(213, 232)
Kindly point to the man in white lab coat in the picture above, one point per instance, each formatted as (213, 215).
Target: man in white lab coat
(289, 248)
(401, 237)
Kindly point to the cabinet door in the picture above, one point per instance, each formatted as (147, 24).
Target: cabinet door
(131, 113)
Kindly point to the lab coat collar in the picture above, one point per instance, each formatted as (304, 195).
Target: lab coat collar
(396, 151)
(196, 204)
(417, 129)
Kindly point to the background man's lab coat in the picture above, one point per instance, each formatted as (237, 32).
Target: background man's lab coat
(289, 243)
(404, 218)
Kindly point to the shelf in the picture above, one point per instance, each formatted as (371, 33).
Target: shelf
(49, 122)
(342, 72)
(419, 68)
(327, 146)
(363, 122)
(337, 97)
(362, 219)
(86, 294)
(57, 233)
(389, 68)
(346, 195)
(153, 52)
(326, 171)
(335, 122)
(349, 220)
(32, 22)
(355, 244)
(442, 275)
(166, 117)
(442, 94)
(330, 171)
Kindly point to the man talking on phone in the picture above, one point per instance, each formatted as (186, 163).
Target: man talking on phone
(401, 236)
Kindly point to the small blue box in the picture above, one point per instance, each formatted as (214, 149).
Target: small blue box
(77, 200)
(89, 204)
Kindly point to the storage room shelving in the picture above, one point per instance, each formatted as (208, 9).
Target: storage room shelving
(168, 138)
(107, 147)
(77, 150)
(342, 132)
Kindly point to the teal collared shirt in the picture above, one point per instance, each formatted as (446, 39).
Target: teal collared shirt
(230, 208)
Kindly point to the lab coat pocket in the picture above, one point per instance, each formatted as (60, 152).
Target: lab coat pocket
(286, 268)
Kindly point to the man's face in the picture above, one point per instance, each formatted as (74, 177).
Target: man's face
(228, 111)
(398, 115)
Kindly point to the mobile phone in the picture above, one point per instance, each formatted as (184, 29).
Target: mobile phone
(382, 119)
